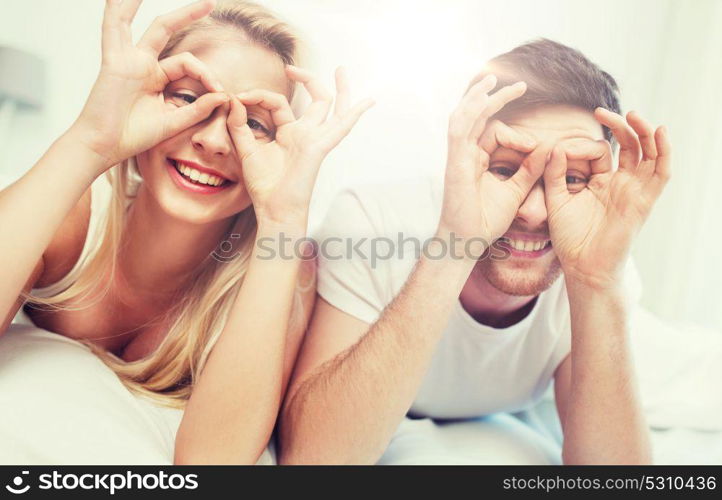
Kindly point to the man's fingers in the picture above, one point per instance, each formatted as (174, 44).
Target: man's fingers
(187, 116)
(645, 133)
(530, 170)
(498, 134)
(186, 64)
(504, 96)
(471, 105)
(630, 149)
(494, 104)
(555, 175)
(157, 35)
(598, 153)
(275, 103)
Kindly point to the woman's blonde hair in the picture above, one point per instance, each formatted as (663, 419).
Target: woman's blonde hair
(197, 317)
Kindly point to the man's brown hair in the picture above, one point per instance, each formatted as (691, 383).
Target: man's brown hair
(554, 74)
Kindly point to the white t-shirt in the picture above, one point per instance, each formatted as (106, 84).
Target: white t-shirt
(477, 369)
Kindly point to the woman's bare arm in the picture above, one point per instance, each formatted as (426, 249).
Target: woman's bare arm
(32, 210)
(232, 411)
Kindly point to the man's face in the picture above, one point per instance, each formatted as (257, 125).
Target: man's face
(530, 265)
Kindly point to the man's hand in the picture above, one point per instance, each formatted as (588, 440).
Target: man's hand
(594, 215)
(478, 203)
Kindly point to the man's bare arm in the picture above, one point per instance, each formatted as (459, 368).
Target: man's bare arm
(345, 404)
(596, 391)
(347, 409)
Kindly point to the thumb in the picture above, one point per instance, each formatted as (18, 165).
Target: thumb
(555, 182)
(187, 116)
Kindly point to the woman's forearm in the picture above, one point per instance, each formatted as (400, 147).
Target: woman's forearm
(604, 423)
(33, 208)
(232, 411)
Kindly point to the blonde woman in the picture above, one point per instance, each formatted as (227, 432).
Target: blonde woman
(203, 158)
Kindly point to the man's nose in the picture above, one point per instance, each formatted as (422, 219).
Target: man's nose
(533, 211)
(212, 137)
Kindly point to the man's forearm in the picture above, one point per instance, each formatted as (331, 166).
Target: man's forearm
(604, 422)
(348, 410)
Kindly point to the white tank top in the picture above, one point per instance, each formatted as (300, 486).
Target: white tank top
(101, 194)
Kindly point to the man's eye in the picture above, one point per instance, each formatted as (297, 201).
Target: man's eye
(573, 179)
(502, 172)
(575, 183)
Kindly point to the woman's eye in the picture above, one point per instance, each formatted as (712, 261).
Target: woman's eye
(188, 98)
(257, 126)
(502, 172)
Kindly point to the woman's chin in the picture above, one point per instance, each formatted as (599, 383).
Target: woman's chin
(185, 209)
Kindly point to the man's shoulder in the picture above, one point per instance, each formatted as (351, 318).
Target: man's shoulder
(379, 209)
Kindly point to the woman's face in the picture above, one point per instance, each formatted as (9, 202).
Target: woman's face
(196, 175)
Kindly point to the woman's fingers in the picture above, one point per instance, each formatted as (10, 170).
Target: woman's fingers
(112, 40)
(275, 103)
(127, 11)
(160, 31)
(186, 64)
(664, 153)
(343, 93)
(344, 124)
(630, 149)
(241, 133)
(321, 98)
(187, 116)
(662, 163)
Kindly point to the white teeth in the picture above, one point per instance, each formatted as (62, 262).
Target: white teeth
(199, 177)
(526, 246)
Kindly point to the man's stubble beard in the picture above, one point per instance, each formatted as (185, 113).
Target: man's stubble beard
(522, 281)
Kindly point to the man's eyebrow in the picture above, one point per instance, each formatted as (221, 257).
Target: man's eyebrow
(580, 134)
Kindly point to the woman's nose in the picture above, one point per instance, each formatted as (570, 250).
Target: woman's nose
(212, 136)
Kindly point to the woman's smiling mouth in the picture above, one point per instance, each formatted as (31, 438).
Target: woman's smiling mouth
(192, 177)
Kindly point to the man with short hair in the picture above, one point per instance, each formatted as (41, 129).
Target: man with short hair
(530, 194)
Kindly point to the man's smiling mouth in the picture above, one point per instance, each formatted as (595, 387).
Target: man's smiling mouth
(526, 245)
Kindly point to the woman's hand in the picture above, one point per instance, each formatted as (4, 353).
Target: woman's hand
(479, 203)
(126, 112)
(592, 229)
(280, 174)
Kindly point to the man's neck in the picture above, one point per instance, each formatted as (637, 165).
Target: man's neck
(492, 307)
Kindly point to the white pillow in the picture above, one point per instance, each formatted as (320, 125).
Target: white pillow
(60, 405)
